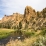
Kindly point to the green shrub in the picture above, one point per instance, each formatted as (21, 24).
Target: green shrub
(20, 25)
(40, 42)
(24, 32)
(43, 32)
(28, 34)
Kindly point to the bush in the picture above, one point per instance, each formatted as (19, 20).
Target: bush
(24, 33)
(20, 25)
(43, 32)
(18, 32)
(40, 42)
(0, 25)
(28, 34)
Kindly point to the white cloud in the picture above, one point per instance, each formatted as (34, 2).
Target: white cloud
(0, 18)
(11, 6)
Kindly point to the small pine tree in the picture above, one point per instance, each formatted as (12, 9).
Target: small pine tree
(0, 25)
(20, 25)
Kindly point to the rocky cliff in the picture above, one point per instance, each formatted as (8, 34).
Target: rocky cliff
(30, 19)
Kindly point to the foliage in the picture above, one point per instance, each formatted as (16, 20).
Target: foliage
(24, 32)
(0, 25)
(43, 31)
(29, 34)
(20, 25)
(40, 42)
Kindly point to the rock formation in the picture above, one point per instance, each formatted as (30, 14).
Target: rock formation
(29, 12)
(30, 19)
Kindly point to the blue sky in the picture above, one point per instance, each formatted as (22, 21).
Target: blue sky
(12, 6)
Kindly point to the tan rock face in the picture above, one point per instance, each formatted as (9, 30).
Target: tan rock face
(29, 12)
(30, 19)
(44, 12)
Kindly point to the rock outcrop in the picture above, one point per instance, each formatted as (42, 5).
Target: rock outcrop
(30, 19)
(29, 12)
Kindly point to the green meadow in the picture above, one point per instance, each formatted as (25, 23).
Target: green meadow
(5, 33)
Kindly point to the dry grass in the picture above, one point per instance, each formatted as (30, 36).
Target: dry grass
(26, 42)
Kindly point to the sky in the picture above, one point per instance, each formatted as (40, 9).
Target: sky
(8, 7)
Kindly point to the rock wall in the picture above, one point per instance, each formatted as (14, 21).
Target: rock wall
(30, 19)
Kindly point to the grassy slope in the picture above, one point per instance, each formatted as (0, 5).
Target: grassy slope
(5, 32)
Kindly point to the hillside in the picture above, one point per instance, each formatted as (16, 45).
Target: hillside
(30, 19)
